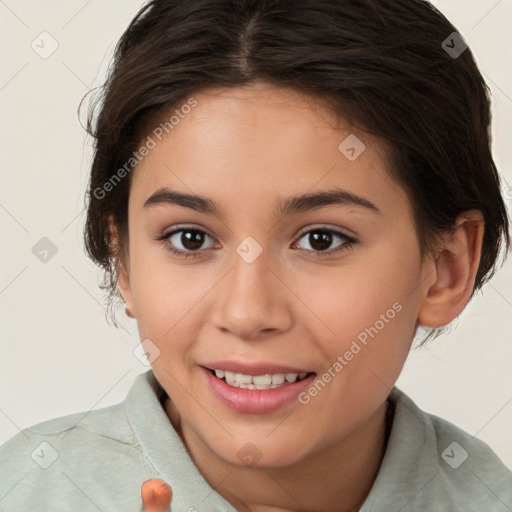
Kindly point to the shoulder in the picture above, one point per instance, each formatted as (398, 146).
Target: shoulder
(47, 462)
(450, 468)
(454, 445)
(69, 432)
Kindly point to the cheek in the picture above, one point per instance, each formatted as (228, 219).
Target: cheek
(368, 311)
(163, 293)
(354, 296)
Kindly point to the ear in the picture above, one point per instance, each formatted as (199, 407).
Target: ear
(122, 264)
(455, 270)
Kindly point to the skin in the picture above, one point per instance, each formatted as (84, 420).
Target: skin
(156, 496)
(246, 148)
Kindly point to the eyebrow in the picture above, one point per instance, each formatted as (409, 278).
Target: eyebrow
(296, 204)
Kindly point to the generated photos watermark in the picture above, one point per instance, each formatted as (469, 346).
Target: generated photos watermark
(150, 143)
(355, 348)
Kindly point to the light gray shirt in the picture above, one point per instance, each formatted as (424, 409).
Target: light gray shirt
(98, 460)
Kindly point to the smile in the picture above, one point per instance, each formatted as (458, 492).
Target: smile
(263, 388)
(258, 382)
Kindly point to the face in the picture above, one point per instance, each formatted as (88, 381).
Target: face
(326, 289)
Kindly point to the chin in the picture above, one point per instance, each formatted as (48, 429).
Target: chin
(261, 452)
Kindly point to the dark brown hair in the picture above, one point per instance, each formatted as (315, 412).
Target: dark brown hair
(384, 65)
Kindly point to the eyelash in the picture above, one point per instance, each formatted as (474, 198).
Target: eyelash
(349, 241)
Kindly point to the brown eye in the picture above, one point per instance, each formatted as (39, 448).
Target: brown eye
(320, 240)
(190, 239)
(185, 241)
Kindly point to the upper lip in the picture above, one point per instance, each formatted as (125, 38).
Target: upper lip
(256, 368)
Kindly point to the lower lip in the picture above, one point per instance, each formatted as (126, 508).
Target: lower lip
(255, 401)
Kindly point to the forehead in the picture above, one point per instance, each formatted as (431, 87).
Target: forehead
(263, 101)
(261, 141)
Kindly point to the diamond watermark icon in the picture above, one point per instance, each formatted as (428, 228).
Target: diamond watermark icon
(454, 455)
(45, 455)
(44, 250)
(454, 45)
(249, 454)
(352, 147)
(146, 352)
(44, 45)
(249, 249)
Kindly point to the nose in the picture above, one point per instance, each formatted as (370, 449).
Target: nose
(253, 299)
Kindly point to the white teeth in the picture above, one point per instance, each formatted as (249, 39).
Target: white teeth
(278, 378)
(244, 379)
(261, 382)
(229, 375)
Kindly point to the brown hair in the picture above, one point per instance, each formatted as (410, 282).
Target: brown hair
(384, 65)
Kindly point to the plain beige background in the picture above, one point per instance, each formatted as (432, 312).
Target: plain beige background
(58, 354)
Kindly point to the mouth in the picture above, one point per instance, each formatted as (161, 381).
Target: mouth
(259, 382)
(263, 388)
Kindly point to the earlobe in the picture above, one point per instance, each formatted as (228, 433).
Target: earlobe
(123, 282)
(456, 266)
(123, 276)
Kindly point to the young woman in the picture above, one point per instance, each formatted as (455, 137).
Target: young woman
(283, 193)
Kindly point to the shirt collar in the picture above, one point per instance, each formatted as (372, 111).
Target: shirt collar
(165, 449)
(407, 466)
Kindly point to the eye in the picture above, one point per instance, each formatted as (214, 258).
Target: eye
(321, 238)
(190, 240)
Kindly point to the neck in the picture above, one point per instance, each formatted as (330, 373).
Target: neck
(336, 479)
